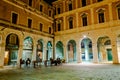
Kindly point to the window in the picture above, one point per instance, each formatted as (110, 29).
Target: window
(70, 6)
(59, 26)
(101, 16)
(70, 23)
(50, 30)
(58, 10)
(41, 26)
(100, 0)
(50, 13)
(14, 18)
(84, 19)
(41, 8)
(29, 23)
(118, 13)
(83, 3)
(30, 2)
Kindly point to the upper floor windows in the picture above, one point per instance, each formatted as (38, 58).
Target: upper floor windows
(14, 18)
(29, 23)
(41, 26)
(84, 20)
(50, 13)
(70, 5)
(58, 10)
(50, 30)
(99, 0)
(101, 16)
(41, 8)
(84, 3)
(118, 11)
(30, 3)
(59, 27)
(70, 23)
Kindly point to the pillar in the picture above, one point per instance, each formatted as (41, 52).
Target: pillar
(64, 21)
(95, 52)
(92, 15)
(110, 11)
(78, 52)
(114, 50)
(2, 54)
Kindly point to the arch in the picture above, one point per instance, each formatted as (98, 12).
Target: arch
(104, 49)
(39, 50)
(86, 49)
(27, 48)
(59, 50)
(71, 47)
(49, 50)
(11, 49)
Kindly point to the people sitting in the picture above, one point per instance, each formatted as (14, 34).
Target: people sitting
(28, 61)
(55, 62)
(21, 62)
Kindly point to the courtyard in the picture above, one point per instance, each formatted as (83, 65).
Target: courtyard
(70, 71)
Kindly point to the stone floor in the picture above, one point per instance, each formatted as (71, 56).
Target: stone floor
(63, 72)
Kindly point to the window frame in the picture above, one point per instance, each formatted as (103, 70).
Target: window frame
(12, 17)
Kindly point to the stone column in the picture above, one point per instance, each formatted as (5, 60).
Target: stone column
(44, 50)
(65, 54)
(20, 51)
(95, 52)
(114, 50)
(77, 22)
(78, 52)
(2, 54)
(64, 21)
(110, 11)
(63, 6)
(34, 51)
(92, 15)
(76, 4)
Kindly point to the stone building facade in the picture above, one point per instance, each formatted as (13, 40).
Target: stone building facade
(73, 30)
(26, 30)
(90, 27)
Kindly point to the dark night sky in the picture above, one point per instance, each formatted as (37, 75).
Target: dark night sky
(49, 1)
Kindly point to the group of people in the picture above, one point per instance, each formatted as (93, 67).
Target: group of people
(55, 62)
(27, 62)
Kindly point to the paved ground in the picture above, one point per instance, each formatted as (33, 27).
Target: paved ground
(64, 72)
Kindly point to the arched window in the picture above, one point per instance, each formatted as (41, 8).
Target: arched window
(71, 23)
(118, 11)
(101, 16)
(84, 19)
(59, 25)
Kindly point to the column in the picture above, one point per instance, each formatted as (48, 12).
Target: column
(65, 54)
(2, 54)
(76, 4)
(63, 6)
(78, 52)
(20, 51)
(34, 51)
(110, 11)
(92, 15)
(114, 50)
(77, 23)
(95, 52)
(64, 21)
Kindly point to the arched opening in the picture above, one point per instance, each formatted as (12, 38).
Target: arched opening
(49, 50)
(86, 47)
(39, 49)
(27, 48)
(104, 49)
(71, 51)
(59, 50)
(11, 49)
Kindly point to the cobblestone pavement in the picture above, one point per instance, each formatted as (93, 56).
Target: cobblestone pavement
(64, 72)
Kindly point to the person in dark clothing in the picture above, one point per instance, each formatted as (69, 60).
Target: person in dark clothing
(28, 61)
